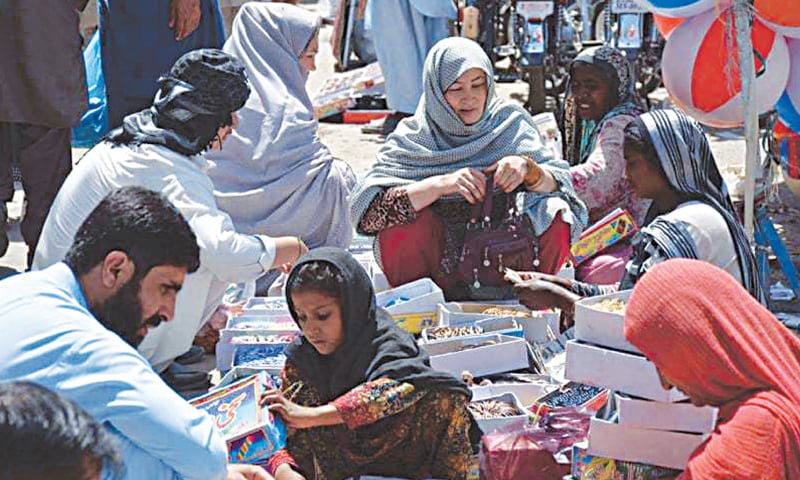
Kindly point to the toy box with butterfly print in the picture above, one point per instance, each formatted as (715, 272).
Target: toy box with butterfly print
(611, 229)
(251, 432)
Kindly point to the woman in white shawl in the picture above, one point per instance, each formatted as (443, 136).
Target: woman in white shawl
(274, 174)
(438, 158)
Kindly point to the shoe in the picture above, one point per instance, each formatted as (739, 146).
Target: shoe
(183, 379)
(3, 229)
(388, 125)
(194, 355)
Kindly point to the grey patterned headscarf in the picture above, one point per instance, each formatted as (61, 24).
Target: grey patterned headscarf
(435, 141)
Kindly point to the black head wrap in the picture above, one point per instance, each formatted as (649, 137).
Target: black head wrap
(374, 347)
(196, 98)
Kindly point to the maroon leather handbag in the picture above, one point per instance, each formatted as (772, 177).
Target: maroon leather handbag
(491, 247)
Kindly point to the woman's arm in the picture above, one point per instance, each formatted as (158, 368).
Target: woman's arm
(600, 181)
(375, 400)
(400, 205)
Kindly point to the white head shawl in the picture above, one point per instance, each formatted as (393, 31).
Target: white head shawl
(273, 172)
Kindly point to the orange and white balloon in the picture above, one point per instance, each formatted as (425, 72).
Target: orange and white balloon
(783, 16)
(700, 68)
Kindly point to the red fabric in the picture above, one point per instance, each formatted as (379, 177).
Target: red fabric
(712, 340)
(277, 459)
(554, 246)
(414, 250)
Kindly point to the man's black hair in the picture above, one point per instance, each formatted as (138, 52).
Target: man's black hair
(319, 276)
(45, 436)
(139, 222)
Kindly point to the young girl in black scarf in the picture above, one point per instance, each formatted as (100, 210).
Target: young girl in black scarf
(359, 397)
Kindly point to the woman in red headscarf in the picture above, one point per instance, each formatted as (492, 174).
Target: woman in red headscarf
(711, 339)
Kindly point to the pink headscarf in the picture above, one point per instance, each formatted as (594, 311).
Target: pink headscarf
(710, 338)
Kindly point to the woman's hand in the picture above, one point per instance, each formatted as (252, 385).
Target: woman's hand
(541, 294)
(509, 172)
(287, 251)
(296, 416)
(238, 471)
(468, 182)
(527, 276)
(286, 472)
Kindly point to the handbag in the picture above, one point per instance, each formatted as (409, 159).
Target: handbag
(491, 247)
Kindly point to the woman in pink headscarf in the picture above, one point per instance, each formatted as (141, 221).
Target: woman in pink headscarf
(711, 339)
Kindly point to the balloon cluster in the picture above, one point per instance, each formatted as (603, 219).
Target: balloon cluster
(700, 63)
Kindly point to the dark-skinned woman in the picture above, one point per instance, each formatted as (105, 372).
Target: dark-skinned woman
(601, 102)
(668, 160)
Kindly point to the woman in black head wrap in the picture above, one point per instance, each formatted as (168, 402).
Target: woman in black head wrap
(194, 107)
(360, 396)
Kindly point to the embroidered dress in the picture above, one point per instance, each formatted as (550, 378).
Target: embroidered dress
(391, 429)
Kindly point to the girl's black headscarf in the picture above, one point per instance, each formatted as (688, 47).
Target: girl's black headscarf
(194, 100)
(374, 347)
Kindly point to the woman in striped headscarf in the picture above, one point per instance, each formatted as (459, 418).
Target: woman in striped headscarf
(668, 160)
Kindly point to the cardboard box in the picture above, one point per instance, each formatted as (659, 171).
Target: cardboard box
(534, 324)
(266, 306)
(225, 349)
(527, 393)
(413, 305)
(489, 424)
(600, 327)
(678, 417)
(252, 433)
(614, 227)
(589, 467)
(615, 370)
(572, 395)
(266, 356)
(654, 447)
(500, 325)
(505, 354)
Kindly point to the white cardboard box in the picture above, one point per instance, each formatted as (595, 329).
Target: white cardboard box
(535, 324)
(600, 327)
(489, 424)
(655, 447)
(419, 310)
(677, 417)
(620, 371)
(505, 355)
(527, 393)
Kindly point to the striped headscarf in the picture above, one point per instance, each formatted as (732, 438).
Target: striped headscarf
(435, 141)
(686, 159)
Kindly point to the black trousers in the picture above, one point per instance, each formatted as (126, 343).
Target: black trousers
(45, 158)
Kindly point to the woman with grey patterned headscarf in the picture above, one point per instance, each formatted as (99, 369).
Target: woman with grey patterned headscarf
(435, 164)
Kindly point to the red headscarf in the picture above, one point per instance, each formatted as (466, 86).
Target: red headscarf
(712, 340)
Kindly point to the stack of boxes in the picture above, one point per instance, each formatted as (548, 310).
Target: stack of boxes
(647, 423)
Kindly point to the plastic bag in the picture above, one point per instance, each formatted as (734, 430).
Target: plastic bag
(94, 121)
(525, 449)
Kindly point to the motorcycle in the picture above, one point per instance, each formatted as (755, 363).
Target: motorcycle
(539, 39)
(630, 28)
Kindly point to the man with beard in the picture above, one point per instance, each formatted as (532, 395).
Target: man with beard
(161, 148)
(72, 327)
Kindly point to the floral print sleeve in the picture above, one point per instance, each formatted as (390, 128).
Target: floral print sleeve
(389, 208)
(372, 401)
(600, 180)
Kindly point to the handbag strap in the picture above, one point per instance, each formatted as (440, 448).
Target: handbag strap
(481, 213)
